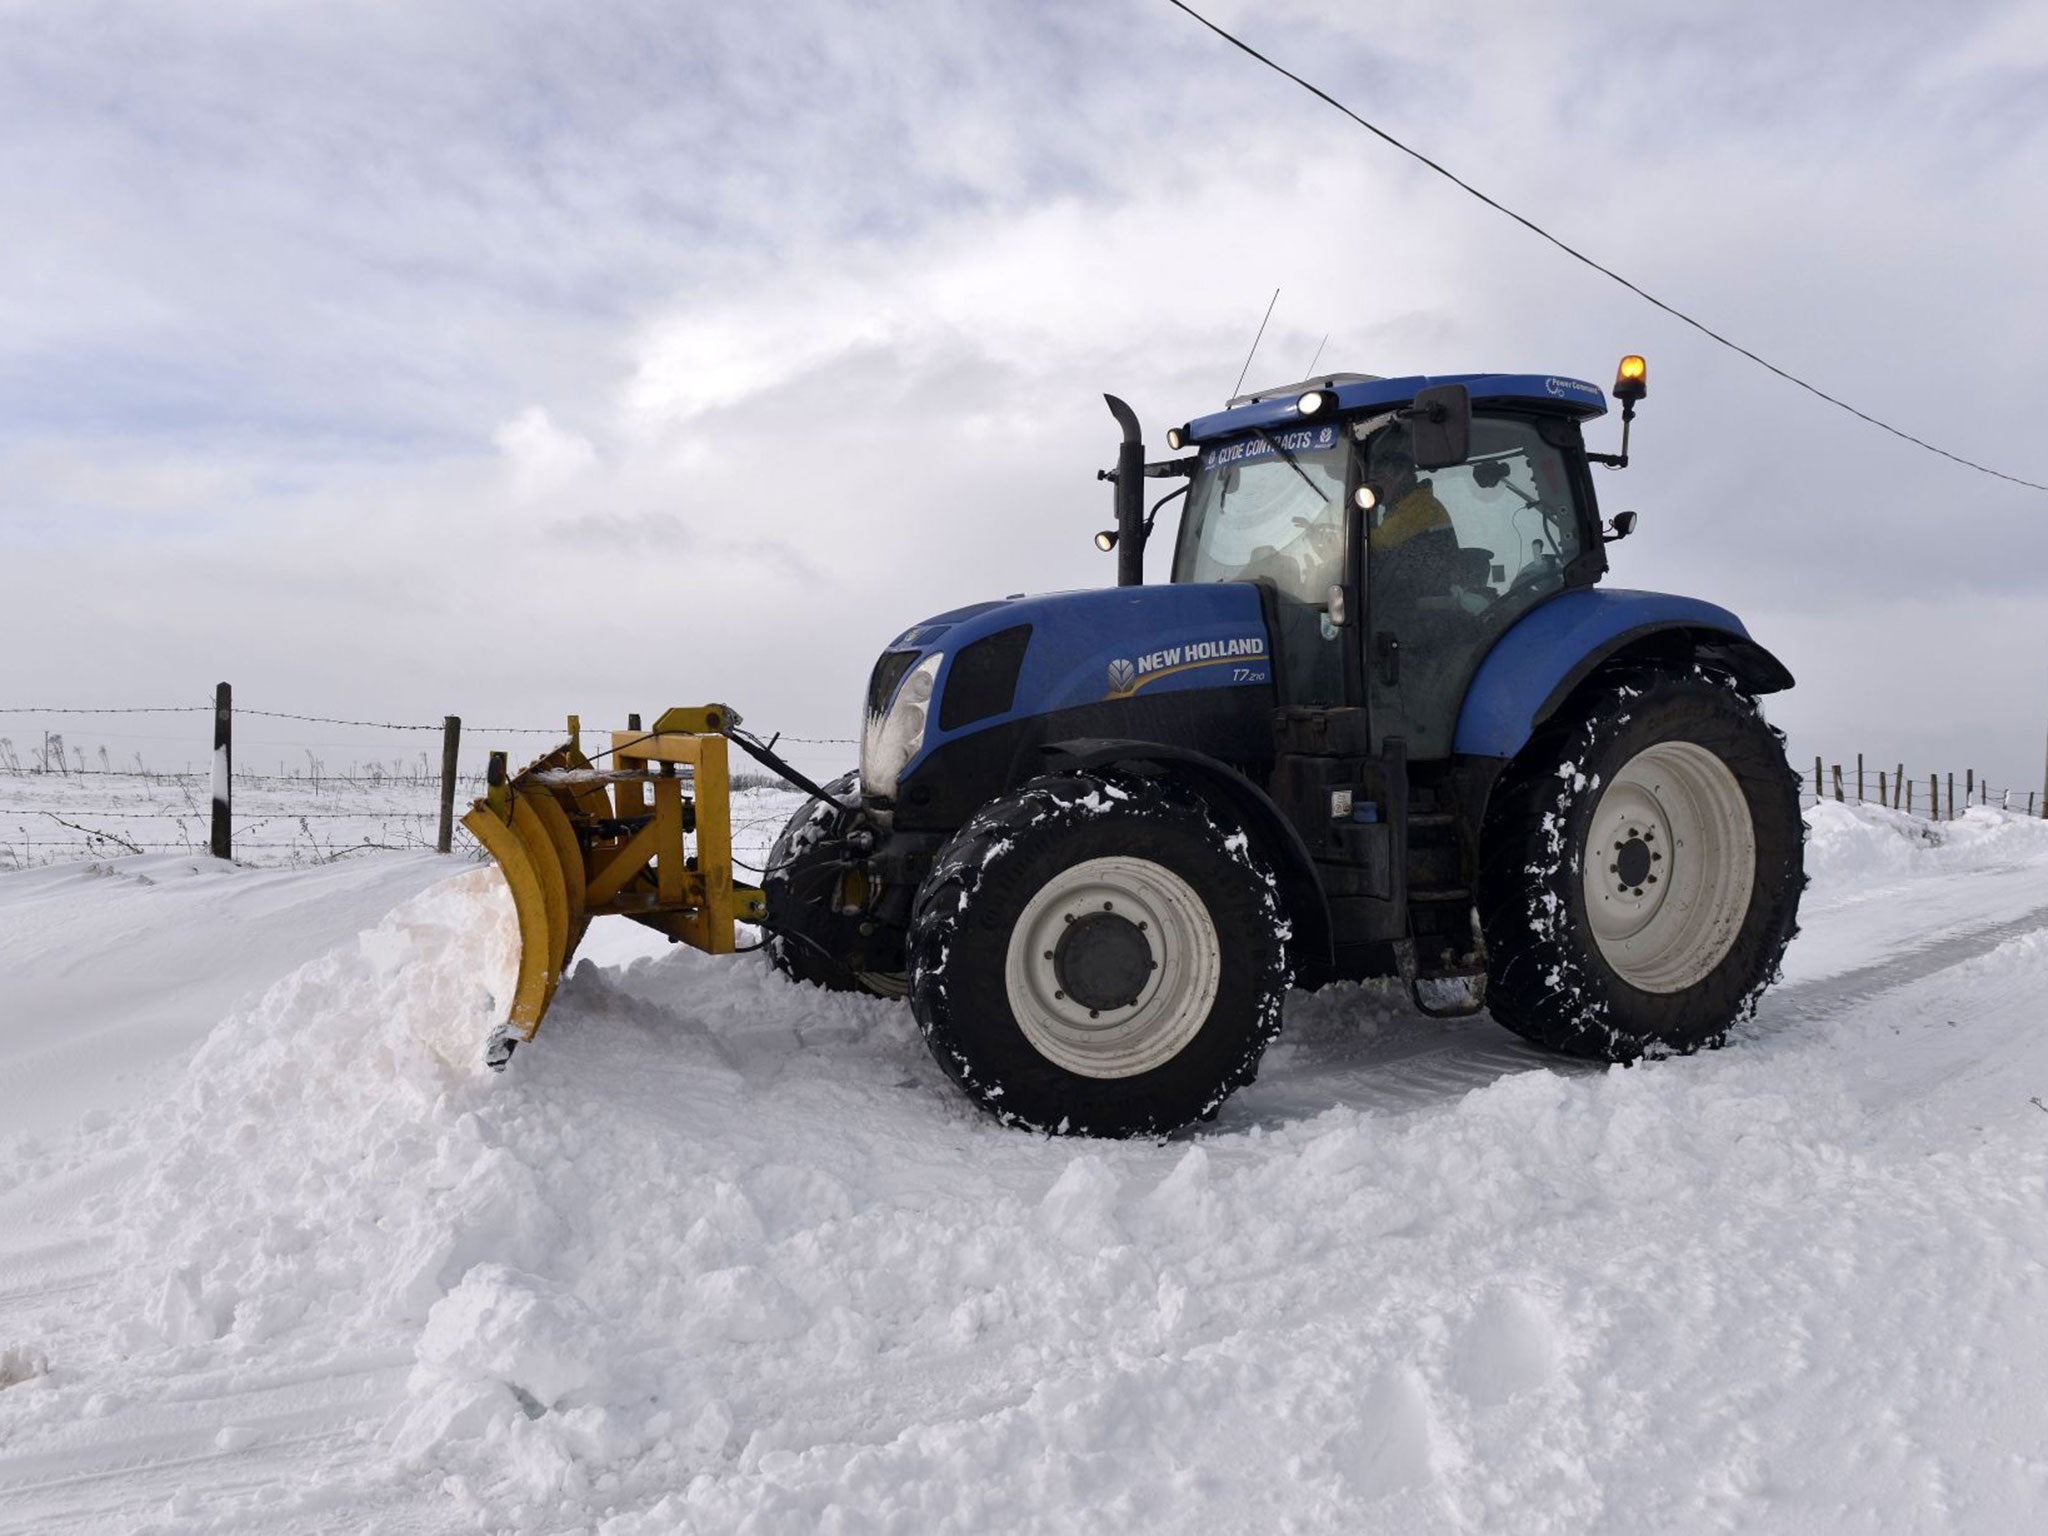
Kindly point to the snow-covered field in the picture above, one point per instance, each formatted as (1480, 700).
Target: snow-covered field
(718, 1254)
(51, 818)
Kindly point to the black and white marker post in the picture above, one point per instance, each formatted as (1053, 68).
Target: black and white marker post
(223, 726)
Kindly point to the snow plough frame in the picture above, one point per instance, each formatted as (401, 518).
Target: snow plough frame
(648, 837)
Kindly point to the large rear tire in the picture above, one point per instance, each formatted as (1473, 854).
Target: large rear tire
(817, 901)
(1098, 955)
(1641, 869)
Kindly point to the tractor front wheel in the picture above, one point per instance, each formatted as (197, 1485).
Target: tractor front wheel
(1098, 955)
(818, 899)
(1642, 865)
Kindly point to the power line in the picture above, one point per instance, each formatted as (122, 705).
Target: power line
(1580, 256)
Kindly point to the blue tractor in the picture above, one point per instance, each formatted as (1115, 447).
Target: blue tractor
(1383, 720)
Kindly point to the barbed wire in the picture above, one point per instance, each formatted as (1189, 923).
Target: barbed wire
(373, 725)
(394, 725)
(156, 709)
(302, 845)
(200, 815)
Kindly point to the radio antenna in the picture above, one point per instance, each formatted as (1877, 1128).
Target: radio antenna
(1247, 368)
(1318, 357)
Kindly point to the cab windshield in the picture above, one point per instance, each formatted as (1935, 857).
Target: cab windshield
(1253, 515)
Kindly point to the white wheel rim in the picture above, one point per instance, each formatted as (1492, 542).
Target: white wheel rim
(1174, 1001)
(1669, 865)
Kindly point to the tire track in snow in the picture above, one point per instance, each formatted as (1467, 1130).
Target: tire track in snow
(1411, 1066)
(103, 1474)
(60, 1288)
(1786, 1006)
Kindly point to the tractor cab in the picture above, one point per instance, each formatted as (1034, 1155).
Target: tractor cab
(1387, 573)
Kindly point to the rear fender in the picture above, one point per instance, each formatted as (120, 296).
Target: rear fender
(1541, 661)
(1223, 786)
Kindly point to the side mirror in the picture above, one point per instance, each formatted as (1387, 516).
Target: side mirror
(1623, 525)
(1440, 422)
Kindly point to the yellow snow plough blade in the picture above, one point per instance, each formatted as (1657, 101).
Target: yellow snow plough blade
(647, 835)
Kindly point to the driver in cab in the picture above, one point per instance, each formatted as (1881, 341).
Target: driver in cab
(1412, 508)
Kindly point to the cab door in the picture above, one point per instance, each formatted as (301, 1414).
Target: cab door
(1452, 558)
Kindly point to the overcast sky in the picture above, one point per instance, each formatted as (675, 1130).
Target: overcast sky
(400, 359)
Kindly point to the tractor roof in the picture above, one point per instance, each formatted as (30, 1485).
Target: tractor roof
(1361, 391)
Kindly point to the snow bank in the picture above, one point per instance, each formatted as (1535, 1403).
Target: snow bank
(1848, 844)
(322, 1165)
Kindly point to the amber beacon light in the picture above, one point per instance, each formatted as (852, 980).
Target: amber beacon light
(1631, 379)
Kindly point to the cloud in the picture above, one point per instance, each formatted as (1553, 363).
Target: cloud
(540, 458)
(402, 358)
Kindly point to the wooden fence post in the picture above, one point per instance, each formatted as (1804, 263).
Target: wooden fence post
(1909, 799)
(223, 844)
(451, 746)
(1898, 784)
(1934, 797)
(1820, 788)
(1951, 800)
(1969, 786)
(1838, 783)
(1859, 778)
(1884, 794)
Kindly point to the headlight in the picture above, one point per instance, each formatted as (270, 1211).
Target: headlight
(894, 737)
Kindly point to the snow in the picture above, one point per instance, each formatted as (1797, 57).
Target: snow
(720, 1254)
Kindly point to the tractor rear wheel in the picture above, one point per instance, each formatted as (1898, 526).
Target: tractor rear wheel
(1098, 955)
(817, 900)
(1642, 864)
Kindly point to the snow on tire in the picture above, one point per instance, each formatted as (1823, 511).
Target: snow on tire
(1641, 868)
(1099, 954)
(814, 920)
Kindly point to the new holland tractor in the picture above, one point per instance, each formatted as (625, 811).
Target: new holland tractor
(1383, 720)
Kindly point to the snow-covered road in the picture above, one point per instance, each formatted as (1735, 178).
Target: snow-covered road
(718, 1254)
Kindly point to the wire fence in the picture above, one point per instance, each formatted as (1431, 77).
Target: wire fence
(63, 794)
(68, 791)
(1937, 795)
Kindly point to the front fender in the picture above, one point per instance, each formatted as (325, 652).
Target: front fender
(1301, 888)
(1533, 667)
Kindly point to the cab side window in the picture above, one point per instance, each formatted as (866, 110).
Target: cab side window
(1503, 525)
(1454, 556)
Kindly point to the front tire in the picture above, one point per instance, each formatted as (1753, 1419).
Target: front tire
(1641, 869)
(1098, 955)
(817, 900)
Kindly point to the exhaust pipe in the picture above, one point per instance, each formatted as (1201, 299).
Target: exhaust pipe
(1129, 477)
